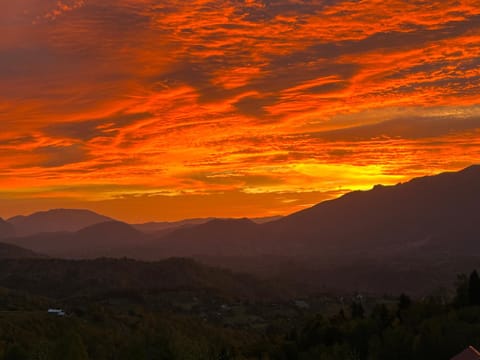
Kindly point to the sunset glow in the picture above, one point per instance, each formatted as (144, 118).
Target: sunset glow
(161, 110)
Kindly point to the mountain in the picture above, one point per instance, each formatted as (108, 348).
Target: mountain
(168, 226)
(110, 238)
(434, 214)
(218, 237)
(410, 232)
(9, 251)
(267, 219)
(56, 220)
(6, 229)
(163, 228)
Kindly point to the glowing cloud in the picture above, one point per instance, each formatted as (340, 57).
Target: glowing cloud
(252, 107)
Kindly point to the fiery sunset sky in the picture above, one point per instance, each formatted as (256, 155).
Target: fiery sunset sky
(169, 109)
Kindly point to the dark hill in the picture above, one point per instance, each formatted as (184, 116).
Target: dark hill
(71, 278)
(219, 237)
(168, 226)
(163, 228)
(108, 239)
(6, 229)
(435, 213)
(56, 220)
(8, 251)
(116, 231)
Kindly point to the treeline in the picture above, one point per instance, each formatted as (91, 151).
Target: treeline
(430, 328)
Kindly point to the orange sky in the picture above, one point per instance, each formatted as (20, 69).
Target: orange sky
(168, 109)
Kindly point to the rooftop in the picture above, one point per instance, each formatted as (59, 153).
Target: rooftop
(469, 353)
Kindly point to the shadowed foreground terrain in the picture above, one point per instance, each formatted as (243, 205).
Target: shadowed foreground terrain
(178, 309)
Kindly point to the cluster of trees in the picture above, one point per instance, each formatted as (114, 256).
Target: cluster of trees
(468, 290)
(425, 329)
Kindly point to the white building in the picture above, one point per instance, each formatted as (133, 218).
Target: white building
(58, 312)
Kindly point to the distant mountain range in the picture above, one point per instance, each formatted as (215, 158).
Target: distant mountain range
(426, 221)
(163, 228)
(433, 214)
(72, 220)
(105, 239)
(80, 234)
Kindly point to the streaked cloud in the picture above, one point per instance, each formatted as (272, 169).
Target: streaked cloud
(229, 100)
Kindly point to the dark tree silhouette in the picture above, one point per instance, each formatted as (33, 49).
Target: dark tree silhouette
(357, 310)
(404, 302)
(474, 288)
(462, 293)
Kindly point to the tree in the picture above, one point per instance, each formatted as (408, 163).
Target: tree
(357, 310)
(474, 288)
(16, 352)
(461, 296)
(404, 302)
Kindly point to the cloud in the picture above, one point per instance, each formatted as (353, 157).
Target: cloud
(411, 128)
(265, 97)
(87, 130)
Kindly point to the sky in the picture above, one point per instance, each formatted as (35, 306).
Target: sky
(168, 109)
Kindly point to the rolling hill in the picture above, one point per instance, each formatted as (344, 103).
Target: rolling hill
(6, 230)
(72, 278)
(107, 239)
(219, 237)
(9, 251)
(164, 228)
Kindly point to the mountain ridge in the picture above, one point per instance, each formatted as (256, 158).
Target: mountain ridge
(382, 221)
(107, 239)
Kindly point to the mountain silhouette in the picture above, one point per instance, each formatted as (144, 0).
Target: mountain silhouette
(9, 251)
(433, 214)
(408, 237)
(110, 238)
(218, 237)
(6, 230)
(406, 232)
(164, 228)
(438, 213)
(55, 220)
